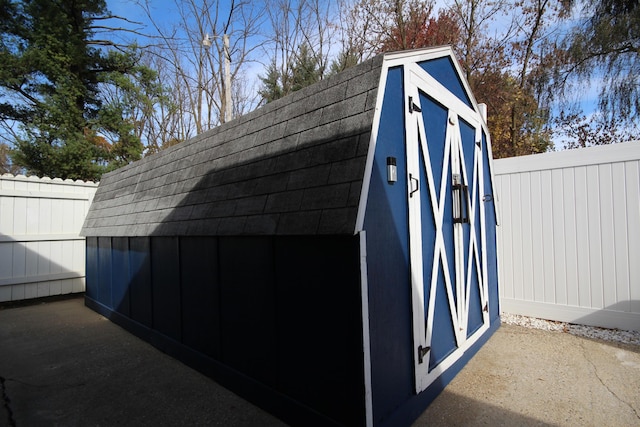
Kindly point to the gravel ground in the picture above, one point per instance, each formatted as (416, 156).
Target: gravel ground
(627, 337)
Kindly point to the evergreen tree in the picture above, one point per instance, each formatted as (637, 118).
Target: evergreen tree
(304, 72)
(51, 72)
(271, 84)
(346, 59)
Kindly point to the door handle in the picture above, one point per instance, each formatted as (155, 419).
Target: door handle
(460, 196)
(411, 180)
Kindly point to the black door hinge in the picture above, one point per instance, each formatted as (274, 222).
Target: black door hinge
(413, 107)
(422, 351)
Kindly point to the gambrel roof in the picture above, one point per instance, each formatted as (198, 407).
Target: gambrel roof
(294, 166)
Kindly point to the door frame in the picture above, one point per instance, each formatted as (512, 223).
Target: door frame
(417, 80)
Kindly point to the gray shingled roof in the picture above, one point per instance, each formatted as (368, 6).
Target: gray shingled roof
(294, 166)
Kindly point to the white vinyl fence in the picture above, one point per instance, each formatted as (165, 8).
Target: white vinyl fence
(569, 235)
(41, 251)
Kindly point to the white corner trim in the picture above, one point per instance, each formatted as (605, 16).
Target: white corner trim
(366, 342)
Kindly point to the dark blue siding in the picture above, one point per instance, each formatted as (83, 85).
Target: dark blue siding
(121, 275)
(277, 319)
(247, 312)
(435, 116)
(105, 271)
(444, 72)
(92, 273)
(199, 276)
(140, 280)
(386, 224)
(165, 272)
(321, 340)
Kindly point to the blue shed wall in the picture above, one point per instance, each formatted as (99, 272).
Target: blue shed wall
(276, 319)
(388, 260)
(394, 400)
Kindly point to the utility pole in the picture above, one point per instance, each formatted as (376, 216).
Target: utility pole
(227, 110)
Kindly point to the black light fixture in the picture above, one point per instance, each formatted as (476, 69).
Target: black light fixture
(392, 170)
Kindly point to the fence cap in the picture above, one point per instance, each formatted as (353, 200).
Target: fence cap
(47, 180)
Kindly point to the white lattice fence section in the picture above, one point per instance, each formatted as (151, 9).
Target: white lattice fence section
(569, 237)
(41, 251)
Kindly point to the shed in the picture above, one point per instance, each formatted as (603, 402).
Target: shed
(330, 256)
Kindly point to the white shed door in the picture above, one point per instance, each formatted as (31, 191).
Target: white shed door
(446, 216)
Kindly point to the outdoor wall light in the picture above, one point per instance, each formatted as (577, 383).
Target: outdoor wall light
(392, 170)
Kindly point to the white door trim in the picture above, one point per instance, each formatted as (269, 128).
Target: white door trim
(416, 80)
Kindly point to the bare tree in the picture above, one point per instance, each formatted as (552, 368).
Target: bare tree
(369, 26)
(194, 72)
(296, 30)
(479, 48)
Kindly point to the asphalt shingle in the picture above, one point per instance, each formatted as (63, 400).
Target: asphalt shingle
(294, 166)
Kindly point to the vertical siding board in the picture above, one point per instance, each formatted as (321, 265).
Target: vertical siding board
(526, 239)
(595, 237)
(582, 238)
(608, 235)
(31, 259)
(327, 266)
(165, 276)
(17, 257)
(200, 294)
(105, 271)
(247, 306)
(57, 214)
(20, 215)
(56, 257)
(66, 256)
(6, 215)
(516, 220)
(559, 260)
(504, 232)
(43, 254)
(17, 292)
(121, 275)
(632, 178)
(5, 293)
(537, 255)
(80, 208)
(32, 218)
(66, 286)
(140, 295)
(569, 191)
(7, 260)
(620, 235)
(509, 212)
(547, 237)
(44, 214)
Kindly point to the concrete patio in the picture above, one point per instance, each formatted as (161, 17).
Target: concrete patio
(62, 364)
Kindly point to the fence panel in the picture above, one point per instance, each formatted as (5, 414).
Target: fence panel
(570, 235)
(41, 251)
